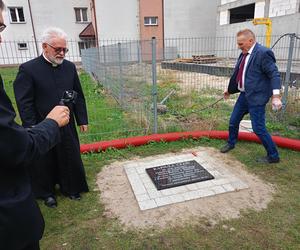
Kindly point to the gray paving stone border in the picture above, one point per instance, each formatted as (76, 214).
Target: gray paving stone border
(148, 197)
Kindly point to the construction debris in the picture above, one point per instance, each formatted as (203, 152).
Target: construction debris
(204, 59)
(184, 60)
(199, 59)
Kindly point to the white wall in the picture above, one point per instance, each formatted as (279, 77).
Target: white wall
(189, 19)
(259, 9)
(284, 15)
(227, 1)
(17, 31)
(59, 13)
(281, 8)
(224, 17)
(224, 13)
(45, 13)
(117, 19)
(14, 33)
(192, 18)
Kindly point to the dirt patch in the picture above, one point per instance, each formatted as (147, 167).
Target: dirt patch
(120, 202)
(188, 81)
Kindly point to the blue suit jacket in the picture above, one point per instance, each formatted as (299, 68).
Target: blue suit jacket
(261, 76)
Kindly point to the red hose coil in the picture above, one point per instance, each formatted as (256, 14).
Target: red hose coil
(141, 140)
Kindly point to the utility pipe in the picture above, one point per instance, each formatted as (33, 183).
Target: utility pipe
(268, 22)
(33, 29)
(141, 140)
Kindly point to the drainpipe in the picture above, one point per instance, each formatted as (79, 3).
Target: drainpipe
(33, 29)
(138, 19)
(268, 22)
(95, 19)
(163, 28)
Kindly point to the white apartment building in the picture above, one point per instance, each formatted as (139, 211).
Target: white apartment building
(26, 20)
(129, 20)
(117, 19)
(85, 20)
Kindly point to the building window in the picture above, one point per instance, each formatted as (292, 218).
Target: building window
(150, 20)
(16, 14)
(242, 14)
(81, 46)
(22, 46)
(81, 15)
(86, 45)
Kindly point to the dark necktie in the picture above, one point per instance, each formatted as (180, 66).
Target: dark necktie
(239, 77)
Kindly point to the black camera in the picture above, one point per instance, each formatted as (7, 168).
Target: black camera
(69, 96)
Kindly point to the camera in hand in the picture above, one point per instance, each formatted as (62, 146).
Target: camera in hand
(69, 97)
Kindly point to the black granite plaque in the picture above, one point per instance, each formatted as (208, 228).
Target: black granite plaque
(177, 174)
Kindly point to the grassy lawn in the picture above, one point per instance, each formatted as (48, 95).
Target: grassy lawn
(83, 225)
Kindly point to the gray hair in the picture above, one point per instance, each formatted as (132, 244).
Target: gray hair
(247, 33)
(51, 33)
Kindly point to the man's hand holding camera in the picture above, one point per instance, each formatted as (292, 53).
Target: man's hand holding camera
(60, 114)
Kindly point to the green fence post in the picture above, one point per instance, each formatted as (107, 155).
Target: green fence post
(154, 84)
(288, 72)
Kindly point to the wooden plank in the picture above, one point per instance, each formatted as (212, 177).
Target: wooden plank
(184, 60)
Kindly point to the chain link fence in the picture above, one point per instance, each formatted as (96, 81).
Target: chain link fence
(182, 76)
(165, 85)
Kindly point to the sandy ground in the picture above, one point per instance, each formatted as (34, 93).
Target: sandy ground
(119, 200)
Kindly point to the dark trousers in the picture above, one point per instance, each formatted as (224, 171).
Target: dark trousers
(258, 121)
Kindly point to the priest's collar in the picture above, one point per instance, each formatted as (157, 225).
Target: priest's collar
(53, 64)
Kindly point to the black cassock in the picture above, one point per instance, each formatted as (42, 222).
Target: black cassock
(21, 222)
(39, 87)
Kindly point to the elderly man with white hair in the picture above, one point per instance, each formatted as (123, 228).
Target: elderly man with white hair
(40, 85)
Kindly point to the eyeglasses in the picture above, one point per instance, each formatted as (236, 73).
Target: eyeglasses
(59, 49)
(2, 27)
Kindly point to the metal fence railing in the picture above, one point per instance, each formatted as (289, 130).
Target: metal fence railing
(184, 65)
(162, 84)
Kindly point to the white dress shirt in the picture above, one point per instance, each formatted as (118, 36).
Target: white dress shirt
(242, 89)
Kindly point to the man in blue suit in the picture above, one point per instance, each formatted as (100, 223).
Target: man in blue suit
(257, 79)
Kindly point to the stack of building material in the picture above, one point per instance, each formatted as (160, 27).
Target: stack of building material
(184, 60)
(204, 59)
